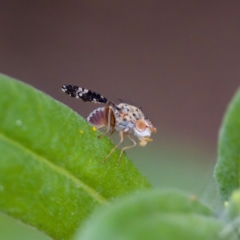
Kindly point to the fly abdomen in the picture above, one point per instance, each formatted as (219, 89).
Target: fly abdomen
(97, 117)
(84, 94)
(102, 117)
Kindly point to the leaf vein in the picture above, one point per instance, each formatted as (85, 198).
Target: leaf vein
(95, 195)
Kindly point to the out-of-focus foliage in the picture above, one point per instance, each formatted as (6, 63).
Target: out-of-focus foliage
(227, 169)
(153, 215)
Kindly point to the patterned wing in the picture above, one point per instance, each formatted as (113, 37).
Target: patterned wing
(84, 94)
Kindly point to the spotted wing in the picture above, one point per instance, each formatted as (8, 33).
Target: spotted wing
(84, 94)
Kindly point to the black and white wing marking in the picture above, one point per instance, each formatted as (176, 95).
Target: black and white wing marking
(84, 94)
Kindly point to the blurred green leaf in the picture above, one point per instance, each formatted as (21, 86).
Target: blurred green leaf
(233, 206)
(155, 214)
(232, 213)
(52, 172)
(227, 168)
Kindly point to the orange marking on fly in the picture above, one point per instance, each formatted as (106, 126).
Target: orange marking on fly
(124, 118)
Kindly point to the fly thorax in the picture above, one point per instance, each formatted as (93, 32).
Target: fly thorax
(126, 116)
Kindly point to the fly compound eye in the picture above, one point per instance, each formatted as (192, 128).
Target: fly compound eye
(141, 125)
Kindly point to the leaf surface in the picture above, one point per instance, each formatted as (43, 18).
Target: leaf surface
(227, 170)
(156, 214)
(52, 172)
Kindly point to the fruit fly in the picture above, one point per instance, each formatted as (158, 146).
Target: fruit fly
(124, 118)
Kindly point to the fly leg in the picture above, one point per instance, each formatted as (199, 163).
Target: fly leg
(114, 148)
(125, 148)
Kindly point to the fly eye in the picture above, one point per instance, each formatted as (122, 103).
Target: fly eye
(141, 125)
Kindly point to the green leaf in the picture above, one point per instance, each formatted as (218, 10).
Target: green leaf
(227, 168)
(232, 213)
(52, 172)
(233, 206)
(153, 215)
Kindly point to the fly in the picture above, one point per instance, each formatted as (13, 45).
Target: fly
(124, 118)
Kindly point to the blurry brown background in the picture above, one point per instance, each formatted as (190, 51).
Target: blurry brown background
(178, 60)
